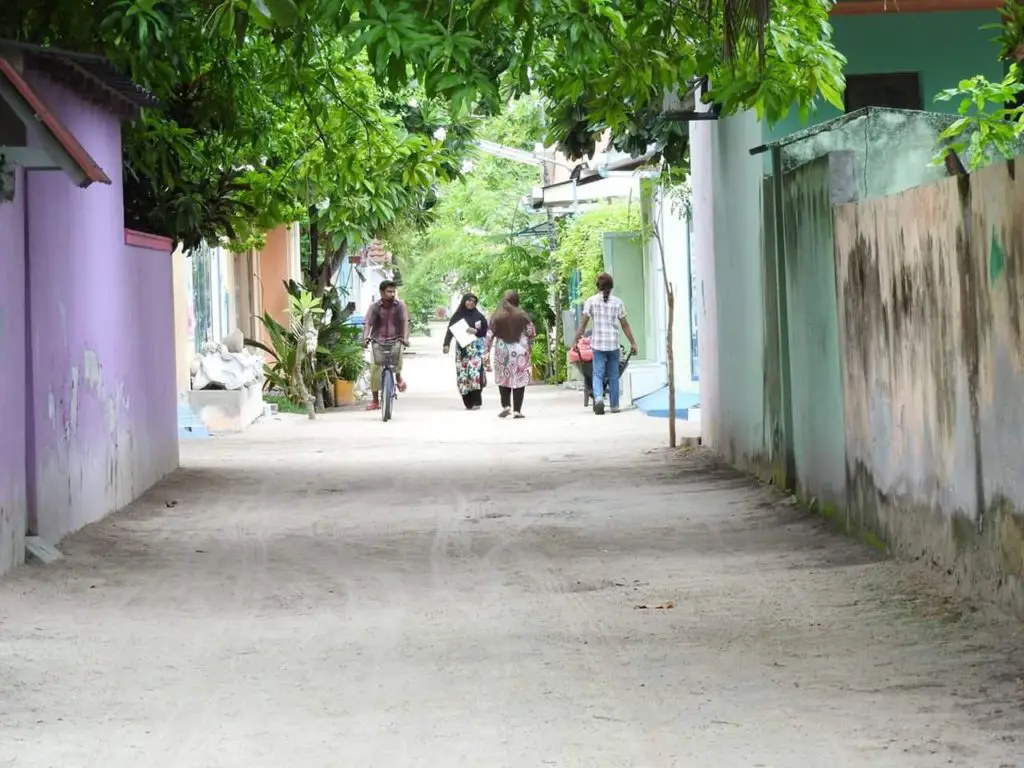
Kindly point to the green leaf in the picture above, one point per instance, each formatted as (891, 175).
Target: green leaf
(284, 12)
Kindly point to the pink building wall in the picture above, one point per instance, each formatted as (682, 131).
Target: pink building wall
(13, 505)
(98, 404)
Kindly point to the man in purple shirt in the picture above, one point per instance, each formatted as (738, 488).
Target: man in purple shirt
(386, 320)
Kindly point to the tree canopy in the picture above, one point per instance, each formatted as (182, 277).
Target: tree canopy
(352, 112)
(249, 136)
(602, 64)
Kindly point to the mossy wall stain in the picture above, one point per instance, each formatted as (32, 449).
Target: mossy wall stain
(931, 298)
(996, 259)
(818, 445)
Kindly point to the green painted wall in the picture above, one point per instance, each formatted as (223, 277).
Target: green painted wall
(773, 462)
(739, 291)
(625, 261)
(944, 47)
(819, 438)
(891, 152)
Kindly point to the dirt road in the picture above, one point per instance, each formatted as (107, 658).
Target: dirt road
(455, 590)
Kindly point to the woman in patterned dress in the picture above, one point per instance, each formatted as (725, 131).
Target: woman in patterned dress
(469, 361)
(511, 336)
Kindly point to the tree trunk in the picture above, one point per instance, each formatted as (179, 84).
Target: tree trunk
(314, 243)
(300, 380)
(322, 277)
(670, 296)
(670, 300)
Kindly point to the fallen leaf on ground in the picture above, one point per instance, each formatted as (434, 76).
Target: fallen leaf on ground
(662, 607)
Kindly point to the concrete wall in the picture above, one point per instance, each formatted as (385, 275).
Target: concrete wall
(702, 181)
(102, 406)
(892, 149)
(930, 296)
(818, 440)
(675, 230)
(753, 423)
(184, 343)
(738, 414)
(224, 314)
(943, 47)
(13, 502)
(274, 272)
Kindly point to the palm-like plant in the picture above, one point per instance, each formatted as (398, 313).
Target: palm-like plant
(316, 348)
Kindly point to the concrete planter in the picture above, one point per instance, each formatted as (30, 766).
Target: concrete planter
(227, 410)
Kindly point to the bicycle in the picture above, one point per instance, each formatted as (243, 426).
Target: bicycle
(385, 355)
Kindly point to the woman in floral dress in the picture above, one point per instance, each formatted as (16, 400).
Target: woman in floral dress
(511, 336)
(469, 361)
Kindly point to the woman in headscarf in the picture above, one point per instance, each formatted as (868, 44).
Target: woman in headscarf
(469, 361)
(511, 336)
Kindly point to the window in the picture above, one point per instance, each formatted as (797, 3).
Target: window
(898, 90)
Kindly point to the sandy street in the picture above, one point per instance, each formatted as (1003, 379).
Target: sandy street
(453, 590)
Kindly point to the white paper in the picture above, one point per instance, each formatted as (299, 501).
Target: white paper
(462, 333)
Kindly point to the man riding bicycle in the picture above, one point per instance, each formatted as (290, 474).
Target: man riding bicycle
(386, 321)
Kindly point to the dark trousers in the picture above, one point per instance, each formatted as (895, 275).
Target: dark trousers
(473, 399)
(512, 397)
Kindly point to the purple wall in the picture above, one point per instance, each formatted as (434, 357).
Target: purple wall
(150, 274)
(103, 407)
(13, 508)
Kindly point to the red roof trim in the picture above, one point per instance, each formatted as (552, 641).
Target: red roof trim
(150, 242)
(863, 7)
(89, 167)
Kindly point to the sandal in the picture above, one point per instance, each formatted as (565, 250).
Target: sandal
(373, 407)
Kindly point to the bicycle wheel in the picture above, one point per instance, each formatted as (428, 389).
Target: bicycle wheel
(387, 393)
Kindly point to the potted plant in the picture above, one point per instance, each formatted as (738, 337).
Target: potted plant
(349, 369)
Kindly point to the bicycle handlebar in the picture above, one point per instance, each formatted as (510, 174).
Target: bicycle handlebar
(388, 341)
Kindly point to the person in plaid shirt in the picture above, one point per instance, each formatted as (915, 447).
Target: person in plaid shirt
(608, 313)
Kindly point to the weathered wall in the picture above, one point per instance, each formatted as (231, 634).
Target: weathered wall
(819, 445)
(892, 149)
(738, 273)
(13, 503)
(930, 289)
(102, 409)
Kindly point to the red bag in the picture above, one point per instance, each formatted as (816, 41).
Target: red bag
(585, 353)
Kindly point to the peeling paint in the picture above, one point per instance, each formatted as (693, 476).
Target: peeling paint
(93, 370)
(85, 478)
(74, 394)
(91, 324)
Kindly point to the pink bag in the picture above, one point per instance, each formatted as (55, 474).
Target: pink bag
(585, 353)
